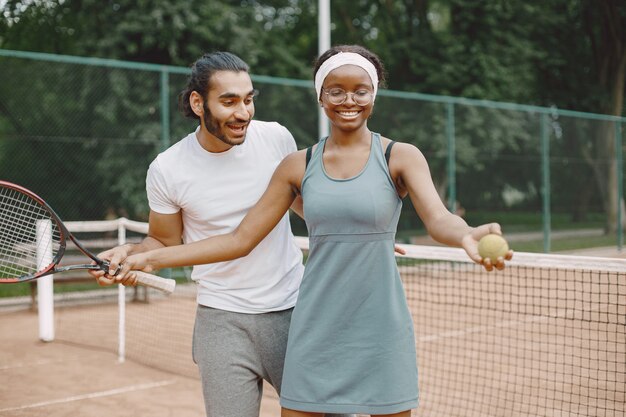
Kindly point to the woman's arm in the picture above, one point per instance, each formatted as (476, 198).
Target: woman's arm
(258, 223)
(164, 230)
(410, 169)
(298, 207)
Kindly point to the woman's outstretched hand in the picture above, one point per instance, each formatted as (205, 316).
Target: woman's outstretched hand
(470, 244)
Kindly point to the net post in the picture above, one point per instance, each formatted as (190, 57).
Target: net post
(45, 290)
(121, 300)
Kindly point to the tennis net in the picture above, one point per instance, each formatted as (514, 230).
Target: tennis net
(546, 336)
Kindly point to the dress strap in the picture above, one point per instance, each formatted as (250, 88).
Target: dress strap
(308, 155)
(388, 151)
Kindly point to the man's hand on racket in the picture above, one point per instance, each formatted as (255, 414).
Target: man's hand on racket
(115, 257)
(30, 226)
(470, 244)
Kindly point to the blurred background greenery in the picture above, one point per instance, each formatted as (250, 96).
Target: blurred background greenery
(477, 55)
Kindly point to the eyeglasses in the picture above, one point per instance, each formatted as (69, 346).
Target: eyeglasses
(338, 96)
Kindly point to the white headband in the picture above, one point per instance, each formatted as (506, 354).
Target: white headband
(345, 58)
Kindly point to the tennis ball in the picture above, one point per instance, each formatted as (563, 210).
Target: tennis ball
(492, 246)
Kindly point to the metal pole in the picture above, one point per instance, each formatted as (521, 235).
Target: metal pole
(45, 289)
(545, 179)
(620, 183)
(323, 44)
(121, 301)
(165, 110)
(165, 127)
(450, 134)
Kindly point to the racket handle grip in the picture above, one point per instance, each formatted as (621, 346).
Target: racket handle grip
(164, 284)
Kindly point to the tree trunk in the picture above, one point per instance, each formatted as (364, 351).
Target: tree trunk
(616, 106)
(605, 25)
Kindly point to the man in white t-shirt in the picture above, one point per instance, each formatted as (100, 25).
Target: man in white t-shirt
(203, 186)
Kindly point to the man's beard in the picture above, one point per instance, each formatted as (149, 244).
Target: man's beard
(214, 128)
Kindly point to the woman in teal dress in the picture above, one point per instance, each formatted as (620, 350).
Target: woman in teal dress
(351, 345)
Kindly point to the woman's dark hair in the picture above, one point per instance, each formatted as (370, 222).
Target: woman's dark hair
(357, 49)
(201, 72)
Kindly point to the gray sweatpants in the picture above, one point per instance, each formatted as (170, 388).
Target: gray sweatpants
(235, 352)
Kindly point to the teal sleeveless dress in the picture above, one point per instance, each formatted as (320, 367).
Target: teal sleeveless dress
(351, 346)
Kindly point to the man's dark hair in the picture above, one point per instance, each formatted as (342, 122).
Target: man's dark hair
(201, 72)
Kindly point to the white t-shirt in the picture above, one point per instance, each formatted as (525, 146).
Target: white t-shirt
(214, 192)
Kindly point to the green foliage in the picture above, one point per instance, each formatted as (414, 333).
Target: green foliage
(548, 52)
(167, 32)
(70, 129)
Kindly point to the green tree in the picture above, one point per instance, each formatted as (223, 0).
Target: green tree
(115, 113)
(585, 69)
(459, 48)
(562, 53)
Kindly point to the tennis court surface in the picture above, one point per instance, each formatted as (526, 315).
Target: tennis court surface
(63, 378)
(545, 337)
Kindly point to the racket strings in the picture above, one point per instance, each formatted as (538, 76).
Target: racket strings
(29, 236)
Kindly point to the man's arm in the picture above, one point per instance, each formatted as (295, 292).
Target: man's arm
(166, 229)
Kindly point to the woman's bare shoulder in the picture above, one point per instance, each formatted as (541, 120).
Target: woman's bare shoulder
(293, 166)
(401, 149)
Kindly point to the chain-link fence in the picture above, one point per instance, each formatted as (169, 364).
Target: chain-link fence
(81, 132)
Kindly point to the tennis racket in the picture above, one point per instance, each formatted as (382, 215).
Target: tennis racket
(33, 241)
